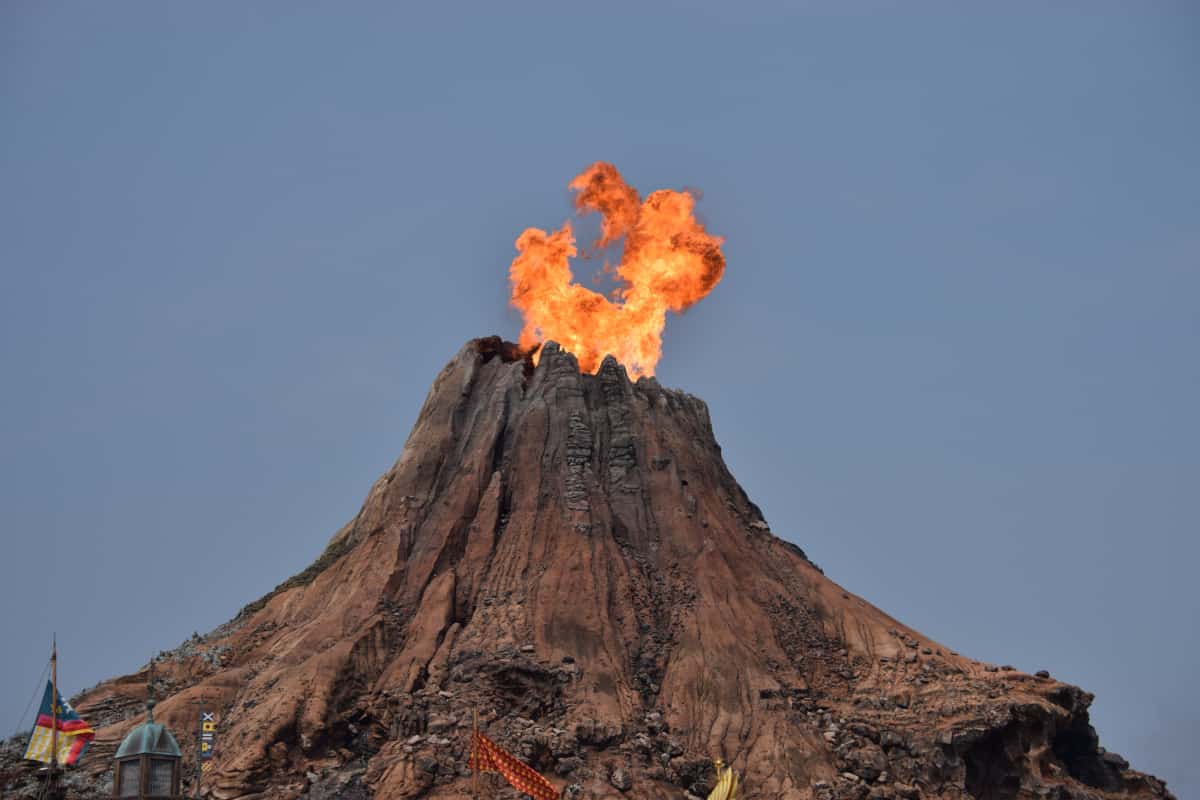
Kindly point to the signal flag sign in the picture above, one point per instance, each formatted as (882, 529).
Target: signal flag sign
(208, 734)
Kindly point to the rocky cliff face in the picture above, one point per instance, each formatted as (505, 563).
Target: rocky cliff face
(567, 556)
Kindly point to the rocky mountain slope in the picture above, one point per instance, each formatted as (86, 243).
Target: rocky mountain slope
(568, 557)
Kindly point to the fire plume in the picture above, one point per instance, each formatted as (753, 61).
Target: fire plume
(669, 263)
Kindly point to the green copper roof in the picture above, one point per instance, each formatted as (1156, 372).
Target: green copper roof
(149, 738)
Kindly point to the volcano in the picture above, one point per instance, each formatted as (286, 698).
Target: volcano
(566, 556)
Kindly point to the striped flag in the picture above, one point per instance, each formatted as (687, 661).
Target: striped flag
(74, 735)
(727, 782)
(487, 756)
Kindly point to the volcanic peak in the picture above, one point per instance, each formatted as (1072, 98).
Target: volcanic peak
(569, 555)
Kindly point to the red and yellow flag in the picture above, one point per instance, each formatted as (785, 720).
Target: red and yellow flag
(487, 756)
(74, 735)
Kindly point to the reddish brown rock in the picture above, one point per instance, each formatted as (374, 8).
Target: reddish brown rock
(568, 556)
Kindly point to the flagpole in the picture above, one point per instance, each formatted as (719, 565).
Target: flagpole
(474, 754)
(199, 743)
(54, 705)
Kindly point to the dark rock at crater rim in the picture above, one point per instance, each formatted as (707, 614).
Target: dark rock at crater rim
(567, 557)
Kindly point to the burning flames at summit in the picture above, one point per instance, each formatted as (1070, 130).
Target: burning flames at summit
(669, 263)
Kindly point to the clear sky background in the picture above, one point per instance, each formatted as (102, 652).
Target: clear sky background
(954, 356)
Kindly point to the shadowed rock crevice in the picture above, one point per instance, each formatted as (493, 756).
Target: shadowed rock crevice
(992, 772)
(1078, 747)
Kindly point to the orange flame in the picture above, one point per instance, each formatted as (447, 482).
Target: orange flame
(669, 263)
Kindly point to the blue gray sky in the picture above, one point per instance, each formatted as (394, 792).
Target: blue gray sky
(954, 355)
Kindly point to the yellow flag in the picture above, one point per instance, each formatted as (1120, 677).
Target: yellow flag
(727, 782)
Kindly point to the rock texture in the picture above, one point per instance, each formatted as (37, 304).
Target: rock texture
(568, 556)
